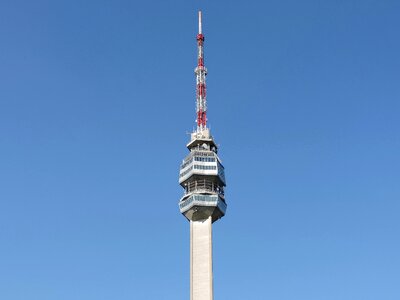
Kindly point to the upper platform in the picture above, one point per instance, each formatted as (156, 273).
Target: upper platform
(202, 138)
(202, 159)
(201, 162)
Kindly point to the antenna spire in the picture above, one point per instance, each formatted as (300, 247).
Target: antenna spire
(201, 72)
(200, 22)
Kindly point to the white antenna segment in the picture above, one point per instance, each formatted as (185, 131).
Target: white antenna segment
(200, 22)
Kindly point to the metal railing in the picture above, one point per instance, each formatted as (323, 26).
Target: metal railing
(203, 185)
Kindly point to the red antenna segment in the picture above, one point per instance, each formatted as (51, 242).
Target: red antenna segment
(201, 72)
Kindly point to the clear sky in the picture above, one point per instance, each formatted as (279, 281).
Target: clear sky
(97, 98)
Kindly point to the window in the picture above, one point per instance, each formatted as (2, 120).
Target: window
(185, 164)
(185, 172)
(201, 167)
(204, 159)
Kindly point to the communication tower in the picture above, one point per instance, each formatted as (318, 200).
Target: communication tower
(203, 180)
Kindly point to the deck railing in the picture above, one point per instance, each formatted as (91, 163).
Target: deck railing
(203, 185)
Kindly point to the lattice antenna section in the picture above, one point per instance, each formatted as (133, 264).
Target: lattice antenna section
(201, 72)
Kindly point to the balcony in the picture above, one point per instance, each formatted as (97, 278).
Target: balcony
(203, 186)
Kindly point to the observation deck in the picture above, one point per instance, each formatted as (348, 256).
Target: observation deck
(202, 177)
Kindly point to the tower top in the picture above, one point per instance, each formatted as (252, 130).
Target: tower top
(200, 31)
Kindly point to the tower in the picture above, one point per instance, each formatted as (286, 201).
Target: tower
(202, 178)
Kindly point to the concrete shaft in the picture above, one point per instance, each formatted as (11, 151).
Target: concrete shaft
(201, 277)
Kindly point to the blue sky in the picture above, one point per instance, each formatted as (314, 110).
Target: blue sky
(97, 98)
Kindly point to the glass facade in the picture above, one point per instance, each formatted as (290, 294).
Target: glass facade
(201, 167)
(204, 159)
(185, 172)
(210, 199)
(186, 163)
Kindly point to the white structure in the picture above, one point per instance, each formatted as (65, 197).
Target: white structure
(203, 179)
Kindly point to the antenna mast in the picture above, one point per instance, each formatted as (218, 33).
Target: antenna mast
(201, 72)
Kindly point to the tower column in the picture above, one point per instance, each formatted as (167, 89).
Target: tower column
(202, 177)
(201, 281)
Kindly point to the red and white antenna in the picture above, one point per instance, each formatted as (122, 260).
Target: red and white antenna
(201, 72)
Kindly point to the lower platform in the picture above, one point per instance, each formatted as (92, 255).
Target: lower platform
(201, 206)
